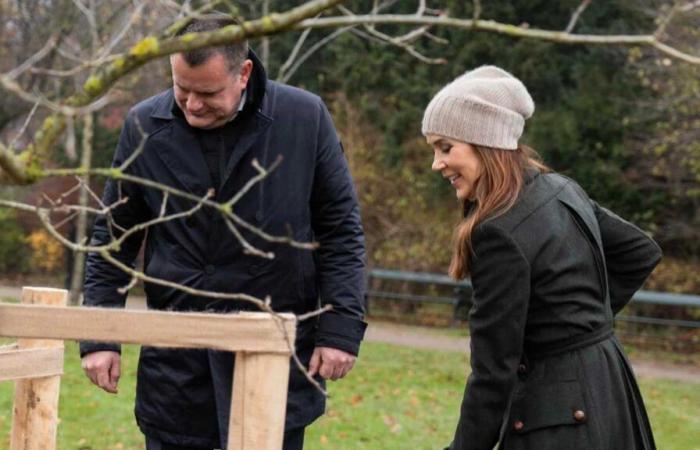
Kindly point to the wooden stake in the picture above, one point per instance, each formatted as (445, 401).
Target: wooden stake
(35, 415)
(259, 401)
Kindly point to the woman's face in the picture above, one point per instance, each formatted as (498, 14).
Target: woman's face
(458, 163)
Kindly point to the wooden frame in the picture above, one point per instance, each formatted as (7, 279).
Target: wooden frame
(42, 322)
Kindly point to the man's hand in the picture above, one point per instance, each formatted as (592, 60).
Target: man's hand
(330, 363)
(103, 369)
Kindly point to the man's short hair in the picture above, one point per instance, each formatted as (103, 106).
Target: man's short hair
(235, 54)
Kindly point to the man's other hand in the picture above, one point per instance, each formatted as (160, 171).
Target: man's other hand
(103, 369)
(330, 363)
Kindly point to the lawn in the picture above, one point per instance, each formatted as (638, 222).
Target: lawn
(395, 398)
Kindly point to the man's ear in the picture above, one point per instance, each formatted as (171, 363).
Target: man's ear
(246, 70)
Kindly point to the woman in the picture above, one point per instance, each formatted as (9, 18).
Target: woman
(550, 268)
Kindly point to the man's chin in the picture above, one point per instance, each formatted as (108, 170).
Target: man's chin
(201, 122)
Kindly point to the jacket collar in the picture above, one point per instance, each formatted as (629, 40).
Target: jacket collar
(529, 175)
(166, 107)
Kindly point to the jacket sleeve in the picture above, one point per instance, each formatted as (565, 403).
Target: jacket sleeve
(630, 256)
(102, 279)
(335, 219)
(501, 280)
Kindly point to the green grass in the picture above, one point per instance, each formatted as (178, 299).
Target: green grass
(394, 398)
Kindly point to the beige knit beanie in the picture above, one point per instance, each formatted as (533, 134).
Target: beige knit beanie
(485, 106)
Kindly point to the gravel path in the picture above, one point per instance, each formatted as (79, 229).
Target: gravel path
(432, 339)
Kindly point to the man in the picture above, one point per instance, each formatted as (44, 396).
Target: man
(220, 115)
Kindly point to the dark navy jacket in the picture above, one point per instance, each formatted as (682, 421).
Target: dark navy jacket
(310, 196)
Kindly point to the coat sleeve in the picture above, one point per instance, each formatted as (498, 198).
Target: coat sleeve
(335, 219)
(102, 279)
(501, 280)
(630, 256)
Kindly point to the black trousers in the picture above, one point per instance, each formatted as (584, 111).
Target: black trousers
(293, 440)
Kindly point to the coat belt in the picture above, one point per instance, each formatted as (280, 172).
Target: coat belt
(579, 341)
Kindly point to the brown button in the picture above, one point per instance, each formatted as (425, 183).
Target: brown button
(522, 368)
(579, 416)
(518, 425)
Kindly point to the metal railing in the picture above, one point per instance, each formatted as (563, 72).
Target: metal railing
(461, 298)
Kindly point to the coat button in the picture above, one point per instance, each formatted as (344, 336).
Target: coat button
(209, 269)
(522, 369)
(518, 425)
(579, 416)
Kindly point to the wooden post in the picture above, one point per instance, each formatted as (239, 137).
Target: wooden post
(259, 400)
(261, 375)
(35, 414)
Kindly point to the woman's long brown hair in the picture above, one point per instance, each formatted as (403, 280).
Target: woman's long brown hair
(495, 192)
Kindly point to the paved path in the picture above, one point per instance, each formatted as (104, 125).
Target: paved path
(433, 339)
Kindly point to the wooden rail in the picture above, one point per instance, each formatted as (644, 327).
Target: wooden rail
(42, 321)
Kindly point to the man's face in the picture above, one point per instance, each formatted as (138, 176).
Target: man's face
(208, 94)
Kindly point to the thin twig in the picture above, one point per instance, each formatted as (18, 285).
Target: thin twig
(575, 16)
(262, 174)
(247, 247)
(21, 131)
(295, 51)
(36, 57)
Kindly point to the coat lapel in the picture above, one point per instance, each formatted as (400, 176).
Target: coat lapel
(180, 151)
(249, 135)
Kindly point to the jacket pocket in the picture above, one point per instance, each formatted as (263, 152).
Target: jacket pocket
(545, 416)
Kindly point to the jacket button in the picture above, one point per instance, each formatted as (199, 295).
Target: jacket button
(522, 369)
(579, 416)
(209, 269)
(518, 425)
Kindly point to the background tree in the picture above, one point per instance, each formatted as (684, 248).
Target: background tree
(617, 113)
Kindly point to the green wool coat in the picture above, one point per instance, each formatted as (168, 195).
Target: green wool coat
(547, 371)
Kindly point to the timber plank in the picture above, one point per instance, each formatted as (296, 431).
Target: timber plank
(255, 332)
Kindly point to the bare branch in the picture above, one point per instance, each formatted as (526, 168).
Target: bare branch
(575, 16)
(144, 51)
(92, 22)
(136, 13)
(313, 49)
(476, 14)
(139, 148)
(642, 40)
(13, 168)
(21, 131)
(318, 312)
(223, 208)
(70, 138)
(127, 288)
(268, 237)
(262, 174)
(164, 205)
(36, 57)
(399, 41)
(295, 51)
(247, 248)
(690, 6)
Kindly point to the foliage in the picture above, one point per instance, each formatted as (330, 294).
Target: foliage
(670, 164)
(13, 255)
(592, 119)
(401, 212)
(395, 397)
(47, 254)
